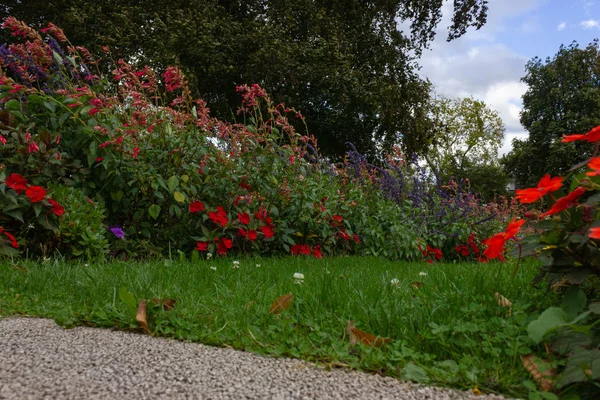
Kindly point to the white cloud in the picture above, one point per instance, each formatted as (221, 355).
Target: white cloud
(505, 97)
(561, 26)
(590, 24)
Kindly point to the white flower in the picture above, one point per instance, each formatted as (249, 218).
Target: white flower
(395, 282)
(213, 268)
(236, 264)
(299, 278)
(87, 265)
(422, 273)
(208, 256)
(257, 265)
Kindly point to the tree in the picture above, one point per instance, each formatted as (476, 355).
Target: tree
(563, 97)
(466, 138)
(345, 65)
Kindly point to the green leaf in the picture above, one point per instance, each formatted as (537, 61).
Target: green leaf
(154, 210)
(412, 372)
(574, 301)
(595, 307)
(12, 105)
(129, 300)
(172, 183)
(583, 365)
(179, 197)
(550, 319)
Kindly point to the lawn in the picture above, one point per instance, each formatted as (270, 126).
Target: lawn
(444, 321)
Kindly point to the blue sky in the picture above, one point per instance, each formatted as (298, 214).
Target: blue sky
(489, 63)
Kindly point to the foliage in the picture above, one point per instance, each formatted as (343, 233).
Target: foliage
(347, 66)
(563, 97)
(566, 242)
(171, 177)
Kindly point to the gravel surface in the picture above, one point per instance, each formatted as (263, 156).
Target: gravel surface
(40, 360)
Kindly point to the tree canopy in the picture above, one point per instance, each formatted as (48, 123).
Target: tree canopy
(346, 65)
(563, 97)
(467, 135)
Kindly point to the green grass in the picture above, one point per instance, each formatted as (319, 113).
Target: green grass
(449, 332)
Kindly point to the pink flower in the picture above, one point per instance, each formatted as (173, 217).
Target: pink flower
(33, 148)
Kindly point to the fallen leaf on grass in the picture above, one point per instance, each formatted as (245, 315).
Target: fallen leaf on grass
(364, 337)
(281, 304)
(544, 379)
(141, 316)
(167, 304)
(416, 285)
(503, 302)
(560, 284)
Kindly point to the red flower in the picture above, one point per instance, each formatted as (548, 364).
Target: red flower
(242, 232)
(595, 165)
(563, 203)
(222, 245)
(244, 218)
(594, 233)
(2, 140)
(135, 152)
(16, 182)
(13, 241)
(252, 235)
(35, 193)
(196, 206)
(33, 148)
(57, 208)
(303, 249)
(103, 145)
(344, 235)
(317, 252)
(219, 217)
(356, 238)
(462, 250)
(545, 185)
(592, 136)
(337, 220)
(496, 243)
(267, 231)
(201, 246)
(437, 253)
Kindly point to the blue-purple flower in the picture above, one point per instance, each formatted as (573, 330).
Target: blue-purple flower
(118, 232)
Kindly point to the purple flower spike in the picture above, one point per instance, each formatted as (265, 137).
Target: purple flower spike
(118, 232)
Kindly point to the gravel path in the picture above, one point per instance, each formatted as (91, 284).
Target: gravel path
(40, 360)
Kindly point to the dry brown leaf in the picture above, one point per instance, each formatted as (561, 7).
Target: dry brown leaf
(167, 304)
(560, 284)
(281, 304)
(365, 338)
(416, 285)
(503, 302)
(141, 316)
(544, 379)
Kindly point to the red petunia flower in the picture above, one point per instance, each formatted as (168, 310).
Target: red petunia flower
(545, 186)
(16, 182)
(223, 245)
(252, 235)
(563, 203)
(244, 218)
(196, 206)
(35, 193)
(57, 209)
(242, 232)
(462, 250)
(592, 136)
(267, 231)
(201, 246)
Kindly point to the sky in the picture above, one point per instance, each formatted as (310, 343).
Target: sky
(488, 63)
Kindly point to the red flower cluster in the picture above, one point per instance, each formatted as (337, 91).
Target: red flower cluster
(430, 253)
(35, 194)
(196, 206)
(304, 249)
(545, 186)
